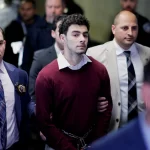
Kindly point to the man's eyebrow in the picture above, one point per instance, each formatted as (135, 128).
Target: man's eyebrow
(76, 32)
(86, 32)
(1, 41)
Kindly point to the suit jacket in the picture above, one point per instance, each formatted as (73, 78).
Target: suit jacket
(23, 106)
(40, 60)
(14, 32)
(39, 38)
(106, 54)
(129, 137)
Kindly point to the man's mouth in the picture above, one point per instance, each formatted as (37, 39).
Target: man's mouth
(82, 46)
(129, 39)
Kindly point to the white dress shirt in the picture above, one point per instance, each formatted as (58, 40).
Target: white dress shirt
(123, 79)
(12, 130)
(63, 63)
(145, 128)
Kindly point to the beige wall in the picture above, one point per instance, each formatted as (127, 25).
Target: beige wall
(143, 8)
(101, 13)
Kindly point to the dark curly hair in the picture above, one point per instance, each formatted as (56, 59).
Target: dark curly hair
(56, 20)
(73, 19)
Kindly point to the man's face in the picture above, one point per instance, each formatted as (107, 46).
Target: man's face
(55, 35)
(2, 46)
(76, 39)
(129, 5)
(125, 31)
(53, 8)
(27, 11)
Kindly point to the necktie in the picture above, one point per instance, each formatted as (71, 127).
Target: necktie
(132, 92)
(3, 126)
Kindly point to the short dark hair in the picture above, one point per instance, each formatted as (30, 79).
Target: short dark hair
(3, 34)
(29, 1)
(73, 19)
(147, 72)
(56, 20)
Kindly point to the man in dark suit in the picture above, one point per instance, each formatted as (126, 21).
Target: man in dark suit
(17, 31)
(45, 56)
(15, 105)
(135, 135)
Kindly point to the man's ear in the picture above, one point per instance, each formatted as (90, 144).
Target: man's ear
(113, 27)
(62, 38)
(4, 42)
(53, 34)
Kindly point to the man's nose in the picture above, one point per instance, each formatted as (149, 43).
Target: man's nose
(82, 38)
(130, 32)
(53, 10)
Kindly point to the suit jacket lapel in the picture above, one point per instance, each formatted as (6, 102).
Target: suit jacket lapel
(111, 64)
(143, 55)
(53, 52)
(14, 76)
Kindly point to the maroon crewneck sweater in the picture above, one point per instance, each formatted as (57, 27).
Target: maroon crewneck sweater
(71, 96)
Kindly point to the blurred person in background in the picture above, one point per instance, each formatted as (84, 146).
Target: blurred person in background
(41, 36)
(17, 31)
(8, 12)
(45, 56)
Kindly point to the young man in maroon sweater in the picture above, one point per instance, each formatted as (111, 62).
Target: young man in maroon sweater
(69, 88)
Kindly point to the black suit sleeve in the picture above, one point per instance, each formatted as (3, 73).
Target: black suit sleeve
(35, 69)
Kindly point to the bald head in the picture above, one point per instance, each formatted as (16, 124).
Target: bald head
(125, 29)
(123, 15)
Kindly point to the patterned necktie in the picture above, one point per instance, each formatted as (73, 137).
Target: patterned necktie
(132, 93)
(3, 125)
